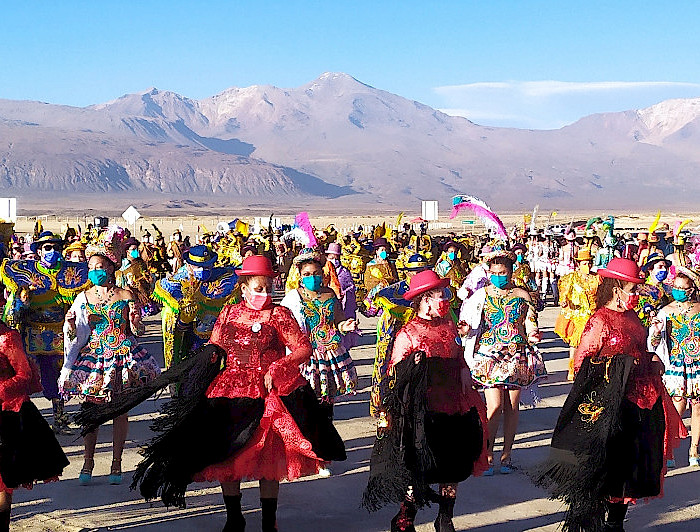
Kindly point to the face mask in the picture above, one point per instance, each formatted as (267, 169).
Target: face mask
(382, 255)
(98, 277)
(312, 282)
(519, 258)
(632, 300)
(584, 268)
(443, 308)
(680, 295)
(258, 300)
(134, 254)
(499, 281)
(51, 258)
(452, 255)
(660, 276)
(201, 274)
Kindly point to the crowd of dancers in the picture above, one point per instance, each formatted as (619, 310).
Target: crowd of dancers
(253, 382)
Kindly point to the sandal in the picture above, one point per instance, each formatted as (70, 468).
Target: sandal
(85, 476)
(115, 474)
(506, 467)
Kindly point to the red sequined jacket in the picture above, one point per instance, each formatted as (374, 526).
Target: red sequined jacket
(255, 342)
(15, 372)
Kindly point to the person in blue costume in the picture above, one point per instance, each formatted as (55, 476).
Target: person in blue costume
(192, 299)
(40, 293)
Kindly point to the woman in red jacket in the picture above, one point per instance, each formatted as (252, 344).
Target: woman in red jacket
(29, 450)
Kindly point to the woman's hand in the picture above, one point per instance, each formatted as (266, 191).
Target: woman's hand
(70, 320)
(347, 326)
(463, 328)
(418, 356)
(268, 381)
(535, 337)
(655, 327)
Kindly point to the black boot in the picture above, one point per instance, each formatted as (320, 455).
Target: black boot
(269, 514)
(235, 522)
(5, 520)
(403, 521)
(616, 517)
(443, 523)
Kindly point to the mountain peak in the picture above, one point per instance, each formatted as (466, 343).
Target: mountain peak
(669, 116)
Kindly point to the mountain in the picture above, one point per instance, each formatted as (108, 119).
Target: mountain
(339, 138)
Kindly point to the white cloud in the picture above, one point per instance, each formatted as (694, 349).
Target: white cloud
(551, 104)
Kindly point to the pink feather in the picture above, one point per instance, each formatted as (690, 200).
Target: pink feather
(488, 217)
(302, 222)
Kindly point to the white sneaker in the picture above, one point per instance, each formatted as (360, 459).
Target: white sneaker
(324, 472)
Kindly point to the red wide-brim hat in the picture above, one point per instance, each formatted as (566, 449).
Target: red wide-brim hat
(257, 265)
(622, 269)
(424, 282)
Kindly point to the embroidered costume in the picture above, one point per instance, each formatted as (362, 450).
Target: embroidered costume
(329, 370)
(501, 354)
(102, 357)
(679, 349)
(190, 309)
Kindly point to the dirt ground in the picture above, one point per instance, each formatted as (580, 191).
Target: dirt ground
(485, 504)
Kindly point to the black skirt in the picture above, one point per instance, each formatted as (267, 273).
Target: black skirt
(421, 446)
(603, 446)
(215, 430)
(29, 451)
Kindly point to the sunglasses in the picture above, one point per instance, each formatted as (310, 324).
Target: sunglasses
(50, 247)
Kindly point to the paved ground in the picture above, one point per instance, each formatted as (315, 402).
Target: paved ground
(494, 504)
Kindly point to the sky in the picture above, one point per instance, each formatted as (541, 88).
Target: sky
(528, 64)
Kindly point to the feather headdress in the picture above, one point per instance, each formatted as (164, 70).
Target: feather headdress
(481, 211)
(302, 232)
(591, 221)
(655, 223)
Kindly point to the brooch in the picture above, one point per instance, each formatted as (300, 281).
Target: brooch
(255, 327)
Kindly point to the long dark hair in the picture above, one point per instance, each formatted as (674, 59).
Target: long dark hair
(606, 291)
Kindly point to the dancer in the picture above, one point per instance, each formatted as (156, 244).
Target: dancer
(577, 292)
(435, 422)
(102, 357)
(329, 370)
(675, 336)
(617, 423)
(192, 298)
(500, 324)
(257, 418)
(655, 292)
(29, 450)
(41, 291)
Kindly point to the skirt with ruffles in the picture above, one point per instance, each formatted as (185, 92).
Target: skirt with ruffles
(231, 439)
(29, 451)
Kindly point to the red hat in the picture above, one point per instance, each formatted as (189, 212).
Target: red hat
(622, 269)
(423, 282)
(257, 265)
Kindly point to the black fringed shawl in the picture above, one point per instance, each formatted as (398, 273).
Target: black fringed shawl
(576, 471)
(401, 455)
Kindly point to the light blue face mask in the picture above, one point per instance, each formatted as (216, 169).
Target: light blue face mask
(499, 281)
(134, 253)
(680, 295)
(452, 255)
(383, 255)
(98, 277)
(312, 282)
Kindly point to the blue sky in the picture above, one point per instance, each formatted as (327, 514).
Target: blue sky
(520, 63)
